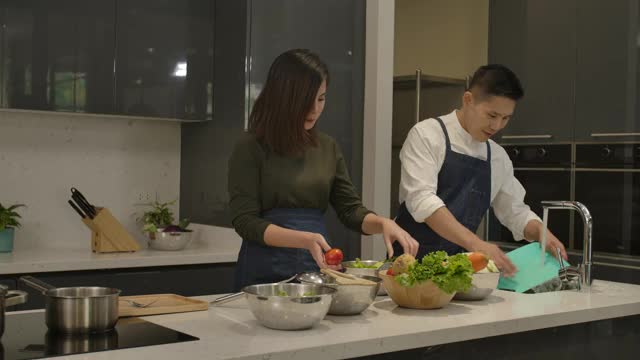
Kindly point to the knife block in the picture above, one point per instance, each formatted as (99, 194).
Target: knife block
(108, 235)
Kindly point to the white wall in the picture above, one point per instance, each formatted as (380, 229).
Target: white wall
(442, 37)
(111, 160)
(378, 106)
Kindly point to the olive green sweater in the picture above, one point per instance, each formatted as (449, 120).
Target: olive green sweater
(260, 180)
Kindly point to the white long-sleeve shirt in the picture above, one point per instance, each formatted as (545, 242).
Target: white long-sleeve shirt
(422, 156)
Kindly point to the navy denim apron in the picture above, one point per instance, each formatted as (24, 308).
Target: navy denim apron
(262, 264)
(464, 185)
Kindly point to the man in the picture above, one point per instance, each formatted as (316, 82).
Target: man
(452, 172)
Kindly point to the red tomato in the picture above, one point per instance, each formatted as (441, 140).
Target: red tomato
(333, 257)
(390, 272)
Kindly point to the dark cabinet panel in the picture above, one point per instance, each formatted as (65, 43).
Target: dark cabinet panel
(579, 64)
(58, 55)
(606, 69)
(206, 146)
(10, 283)
(507, 43)
(536, 39)
(185, 280)
(334, 29)
(507, 34)
(139, 57)
(164, 58)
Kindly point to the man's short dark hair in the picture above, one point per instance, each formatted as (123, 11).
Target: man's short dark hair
(496, 80)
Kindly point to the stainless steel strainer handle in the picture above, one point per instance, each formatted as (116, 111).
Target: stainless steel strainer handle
(230, 297)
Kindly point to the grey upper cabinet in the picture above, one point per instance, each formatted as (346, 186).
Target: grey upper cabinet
(578, 61)
(139, 57)
(164, 58)
(57, 55)
(536, 39)
(607, 61)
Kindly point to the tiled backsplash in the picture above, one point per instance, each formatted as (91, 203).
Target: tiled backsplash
(113, 161)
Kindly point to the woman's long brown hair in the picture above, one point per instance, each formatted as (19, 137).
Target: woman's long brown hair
(278, 115)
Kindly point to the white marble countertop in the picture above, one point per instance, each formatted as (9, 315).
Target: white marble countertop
(231, 332)
(204, 249)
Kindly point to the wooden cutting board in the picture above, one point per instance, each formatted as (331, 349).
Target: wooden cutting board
(159, 304)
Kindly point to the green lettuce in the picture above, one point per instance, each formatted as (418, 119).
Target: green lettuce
(449, 273)
(358, 264)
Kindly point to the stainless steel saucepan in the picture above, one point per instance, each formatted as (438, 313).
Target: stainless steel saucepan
(80, 309)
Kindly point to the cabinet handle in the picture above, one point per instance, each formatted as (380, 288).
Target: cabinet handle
(614, 134)
(418, 88)
(527, 136)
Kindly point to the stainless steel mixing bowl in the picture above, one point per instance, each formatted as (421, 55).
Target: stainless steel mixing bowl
(289, 306)
(482, 286)
(349, 299)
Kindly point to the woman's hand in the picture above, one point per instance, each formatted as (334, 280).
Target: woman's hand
(317, 246)
(391, 233)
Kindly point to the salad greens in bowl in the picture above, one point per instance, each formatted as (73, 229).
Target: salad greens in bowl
(429, 283)
(366, 268)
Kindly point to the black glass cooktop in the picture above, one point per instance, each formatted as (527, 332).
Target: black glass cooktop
(26, 337)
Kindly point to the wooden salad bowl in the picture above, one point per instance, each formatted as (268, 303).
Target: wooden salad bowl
(426, 295)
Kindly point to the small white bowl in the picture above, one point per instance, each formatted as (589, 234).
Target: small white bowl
(170, 241)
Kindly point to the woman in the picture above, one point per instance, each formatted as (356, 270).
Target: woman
(284, 173)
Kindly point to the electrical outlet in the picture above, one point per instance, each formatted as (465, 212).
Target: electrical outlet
(143, 196)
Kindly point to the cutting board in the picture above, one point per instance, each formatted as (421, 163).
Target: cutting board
(162, 304)
(531, 271)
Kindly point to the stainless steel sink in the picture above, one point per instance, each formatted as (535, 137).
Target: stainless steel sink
(556, 284)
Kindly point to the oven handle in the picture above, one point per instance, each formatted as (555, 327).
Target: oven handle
(545, 136)
(612, 170)
(559, 169)
(614, 134)
(623, 266)
(418, 88)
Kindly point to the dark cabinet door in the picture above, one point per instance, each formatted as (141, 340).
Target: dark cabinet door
(10, 283)
(536, 39)
(58, 55)
(606, 70)
(164, 58)
(335, 31)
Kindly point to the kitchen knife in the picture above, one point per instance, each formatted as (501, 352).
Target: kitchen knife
(84, 199)
(83, 204)
(75, 207)
(87, 210)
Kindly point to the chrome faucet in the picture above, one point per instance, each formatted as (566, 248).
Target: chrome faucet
(587, 220)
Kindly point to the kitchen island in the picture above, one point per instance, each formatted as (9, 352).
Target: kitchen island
(230, 331)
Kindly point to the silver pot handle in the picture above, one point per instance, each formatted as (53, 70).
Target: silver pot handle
(39, 285)
(15, 297)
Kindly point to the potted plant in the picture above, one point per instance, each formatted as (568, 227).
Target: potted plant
(158, 224)
(9, 221)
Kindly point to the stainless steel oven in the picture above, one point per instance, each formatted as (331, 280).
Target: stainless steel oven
(608, 183)
(604, 177)
(545, 172)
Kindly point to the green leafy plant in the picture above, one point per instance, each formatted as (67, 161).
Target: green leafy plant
(9, 218)
(159, 217)
(449, 273)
